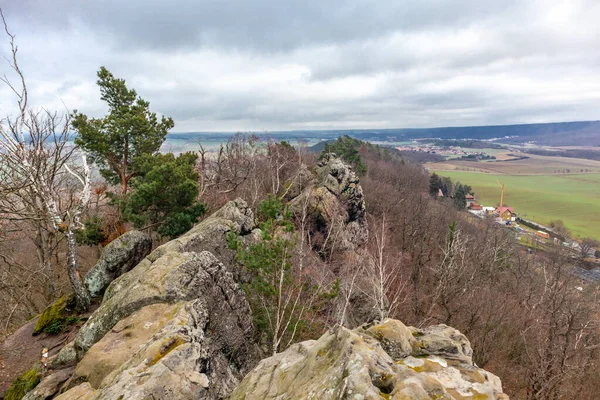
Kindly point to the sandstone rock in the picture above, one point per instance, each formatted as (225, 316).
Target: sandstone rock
(175, 327)
(335, 199)
(81, 392)
(66, 357)
(187, 353)
(385, 360)
(54, 314)
(122, 342)
(171, 278)
(120, 256)
(210, 234)
(50, 385)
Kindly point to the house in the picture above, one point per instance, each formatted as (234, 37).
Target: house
(506, 213)
(470, 199)
(475, 207)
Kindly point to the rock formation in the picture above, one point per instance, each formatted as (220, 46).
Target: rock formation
(335, 204)
(120, 256)
(384, 361)
(175, 326)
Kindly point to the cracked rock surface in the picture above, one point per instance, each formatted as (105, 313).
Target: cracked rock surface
(177, 326)
(386, 360)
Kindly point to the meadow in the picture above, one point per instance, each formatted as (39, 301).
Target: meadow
(572, 198)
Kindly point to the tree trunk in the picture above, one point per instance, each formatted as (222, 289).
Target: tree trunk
(123, 183)
(81, 293)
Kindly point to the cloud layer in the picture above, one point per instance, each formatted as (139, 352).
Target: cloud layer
(278, 65)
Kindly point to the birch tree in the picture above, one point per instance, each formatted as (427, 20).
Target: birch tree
(383, 272)
(34, 156)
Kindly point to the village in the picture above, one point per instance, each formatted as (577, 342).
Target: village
(530, 233)
(448, 151)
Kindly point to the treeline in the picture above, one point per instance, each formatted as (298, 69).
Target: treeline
(570, 153)
(471, 144)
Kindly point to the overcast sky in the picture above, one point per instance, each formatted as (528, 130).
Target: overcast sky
(225, 65)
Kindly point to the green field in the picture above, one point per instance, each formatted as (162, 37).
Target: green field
(575, 199)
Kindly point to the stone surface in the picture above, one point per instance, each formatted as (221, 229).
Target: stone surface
(81, 392)
(50, 385)
(54, 313)
(120, 256)
(335, 204)
(122, 342)
(386, 360)
(188, 355)
(175, 326)
(66, 357)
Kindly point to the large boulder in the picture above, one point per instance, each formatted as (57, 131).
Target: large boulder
(120, 256)
(179, 327)
(335, 204)
(175, 326)
(386, 360)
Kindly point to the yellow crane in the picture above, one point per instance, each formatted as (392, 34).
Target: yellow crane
(501, 194)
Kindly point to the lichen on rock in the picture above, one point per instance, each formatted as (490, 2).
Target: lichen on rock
(383, 360)
(120, 256)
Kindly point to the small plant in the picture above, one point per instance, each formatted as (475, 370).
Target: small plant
(60, 325)
(55, 327)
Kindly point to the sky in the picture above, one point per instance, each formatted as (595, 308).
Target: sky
(266, 65)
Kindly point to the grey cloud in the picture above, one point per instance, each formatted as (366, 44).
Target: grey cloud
(259, 24)
(299, 64)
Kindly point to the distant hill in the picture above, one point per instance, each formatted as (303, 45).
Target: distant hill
(555, 133)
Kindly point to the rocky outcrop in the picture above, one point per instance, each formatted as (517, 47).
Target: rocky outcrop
(175, 326)
(335, 204)
(387, 360)
(120, 256)
(178, 326)
(210, 234)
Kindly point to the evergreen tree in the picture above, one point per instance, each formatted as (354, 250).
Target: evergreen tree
(446, 186)
(460, 199)
(128, 131)
(435, 184)
(164, 194)
(347, 149)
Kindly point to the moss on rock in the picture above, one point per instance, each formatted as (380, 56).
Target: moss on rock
(54, 318)
(24, 383)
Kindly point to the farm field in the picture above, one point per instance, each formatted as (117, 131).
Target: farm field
(573, 198)
(534, 165)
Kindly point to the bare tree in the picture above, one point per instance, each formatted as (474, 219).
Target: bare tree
(383, 272)
(34, 168)
(562, 331)
(587, 247)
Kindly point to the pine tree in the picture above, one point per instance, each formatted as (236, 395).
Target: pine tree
(128, 131)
